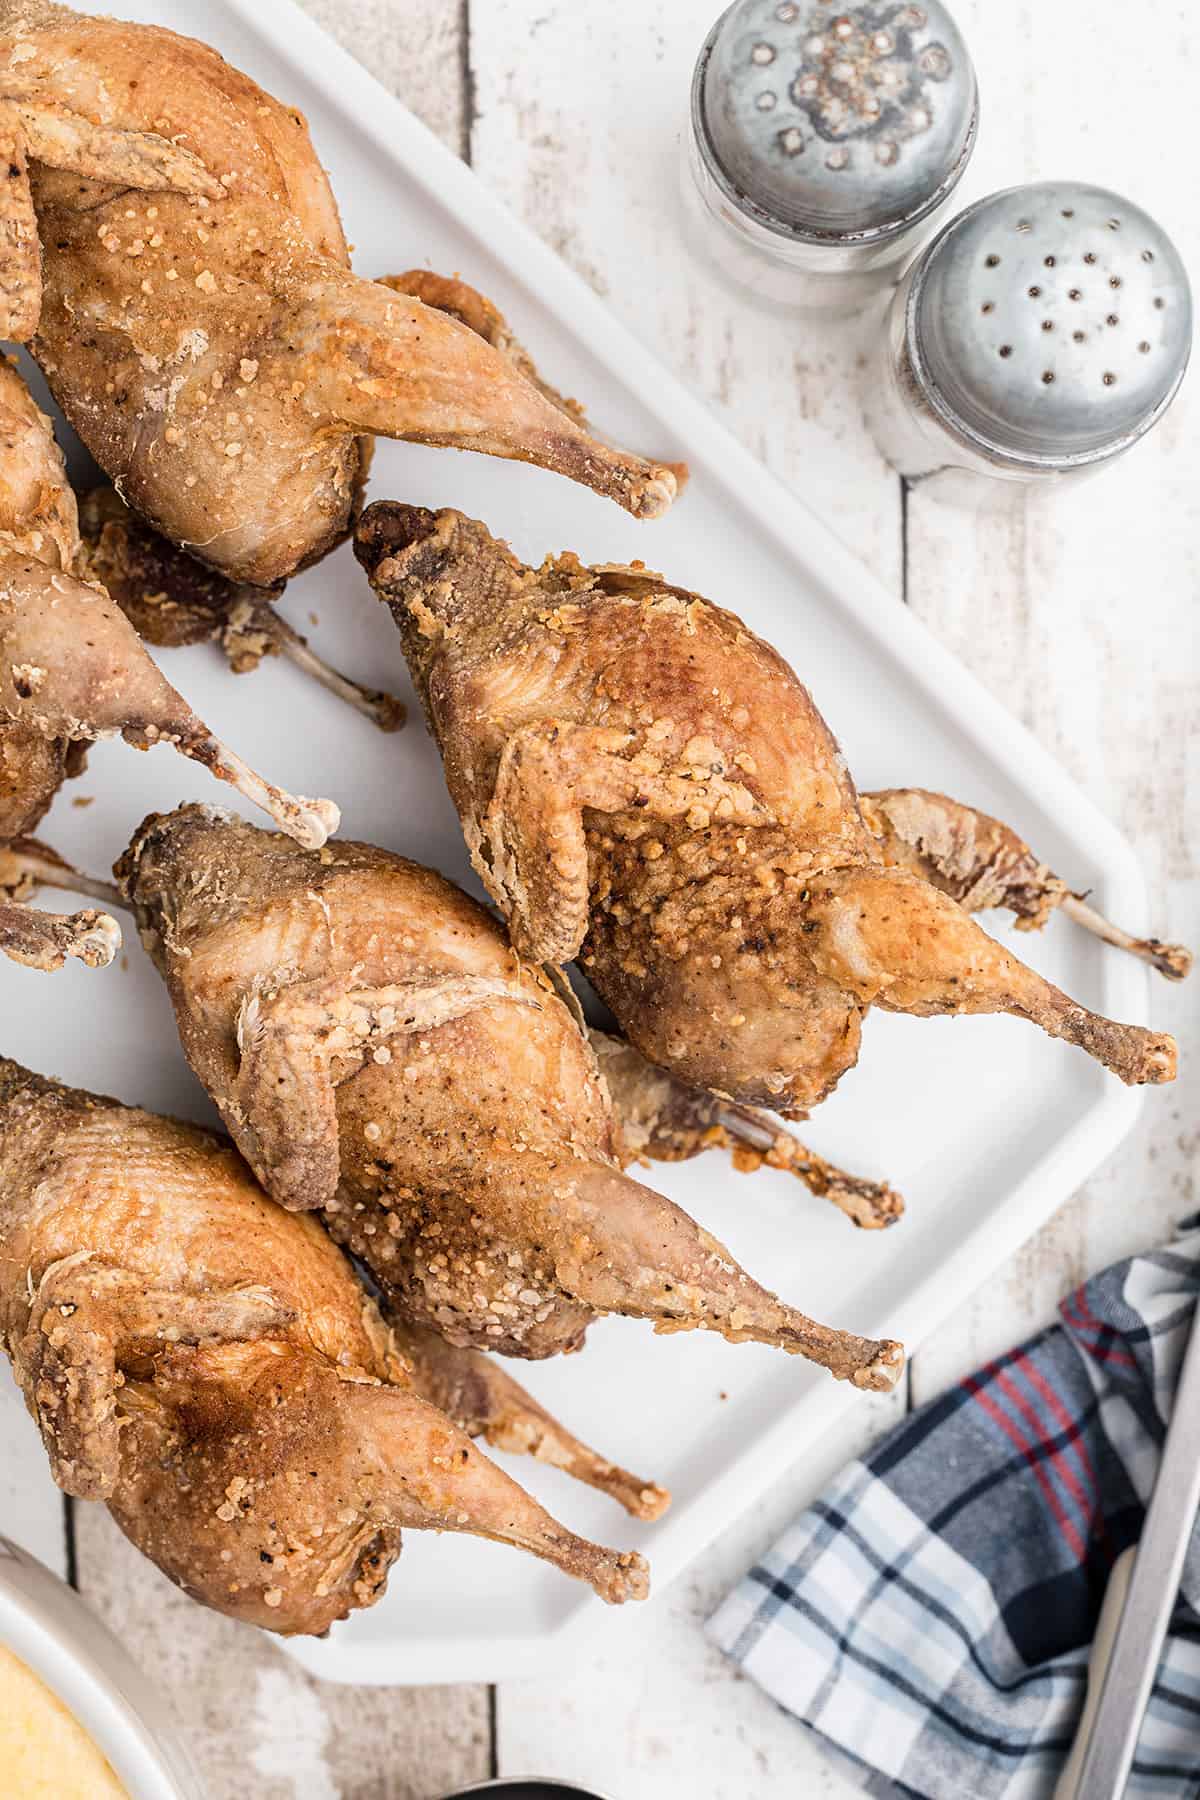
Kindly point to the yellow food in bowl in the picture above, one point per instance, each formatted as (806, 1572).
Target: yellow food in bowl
(45, 1754)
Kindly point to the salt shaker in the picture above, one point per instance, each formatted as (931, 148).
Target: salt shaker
(824, 143)
(1040, 335)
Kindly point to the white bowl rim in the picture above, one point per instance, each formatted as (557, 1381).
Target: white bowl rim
(45, 1623)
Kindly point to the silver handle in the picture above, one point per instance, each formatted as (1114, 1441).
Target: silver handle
(1099, 1764)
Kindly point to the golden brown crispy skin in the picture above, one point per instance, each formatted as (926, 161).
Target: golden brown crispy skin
(378, 1050)
(73, 670)
(39, 533)
(200, 326)
(208, 1365)
(644, 783)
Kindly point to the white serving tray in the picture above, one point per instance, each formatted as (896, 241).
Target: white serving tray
(984, 1125)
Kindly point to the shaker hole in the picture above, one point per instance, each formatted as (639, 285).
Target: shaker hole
(1159, 303)
(1112, 319)
(1110, 379)
(1089, 256)
(1050, 261)
(1034, 292)
(1144, 347)
(762, 54)
(1047, 376)
(1079, 336)
(1147, 256)
(1024, 224)
(1113, 225)
(1075, 294)
(991, 262)
(988, 306)
(1114, 281)
(1047, 324)
(1005, 350)
(1068, 212)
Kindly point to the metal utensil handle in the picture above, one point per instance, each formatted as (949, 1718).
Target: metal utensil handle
(1137, 1646)
(1067, 1785)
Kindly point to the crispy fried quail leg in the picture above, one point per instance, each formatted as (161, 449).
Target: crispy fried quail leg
(663, 1118)
(72, 666)
(981, 862)
(456, 1488)
(647, 1258)
(170, 598)
(623, 1248)
(484, 1401)
(379, 360)
(903, 944)
(209, 1366)
(43, 940)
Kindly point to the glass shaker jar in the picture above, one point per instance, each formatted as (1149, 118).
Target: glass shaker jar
(824, 143)
(1040, 335)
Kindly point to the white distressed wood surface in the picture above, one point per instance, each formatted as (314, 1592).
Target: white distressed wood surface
(1082, 619)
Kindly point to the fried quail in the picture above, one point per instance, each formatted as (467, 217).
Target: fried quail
(71, 671)
(981, 862)
(198, 321)
(377, 1050)
(208, 1365)
(645, 784)
(171, 599)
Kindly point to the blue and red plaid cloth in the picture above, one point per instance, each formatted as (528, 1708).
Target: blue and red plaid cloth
(930, 1618)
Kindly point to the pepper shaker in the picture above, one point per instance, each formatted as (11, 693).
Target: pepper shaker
(1039, 336)
(824, 143)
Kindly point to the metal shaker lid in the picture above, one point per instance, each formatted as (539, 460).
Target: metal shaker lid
(834, 121)
(1051, 323)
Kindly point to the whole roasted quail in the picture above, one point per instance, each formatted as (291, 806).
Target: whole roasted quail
(378, 1051)
(208, 1365)
(195, 315)
(646, 785)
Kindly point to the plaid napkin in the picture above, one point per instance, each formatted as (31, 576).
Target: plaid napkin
(931, 1616)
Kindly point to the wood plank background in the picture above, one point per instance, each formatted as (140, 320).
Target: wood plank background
(1082, 618)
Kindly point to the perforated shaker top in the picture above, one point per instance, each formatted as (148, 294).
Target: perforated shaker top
(831, 120)
(1052, 321)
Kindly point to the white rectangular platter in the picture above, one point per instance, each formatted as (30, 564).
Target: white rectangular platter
(983, 1124)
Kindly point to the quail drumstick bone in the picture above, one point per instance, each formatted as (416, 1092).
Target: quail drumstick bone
(664, 1119)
